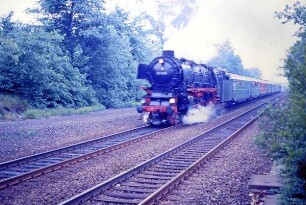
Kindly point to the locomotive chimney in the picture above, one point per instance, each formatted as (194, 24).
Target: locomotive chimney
(168, 53)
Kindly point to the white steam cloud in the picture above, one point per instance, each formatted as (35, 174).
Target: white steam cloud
(145, 117)
(199, 114)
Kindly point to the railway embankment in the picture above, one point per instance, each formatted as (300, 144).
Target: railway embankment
(224, 180)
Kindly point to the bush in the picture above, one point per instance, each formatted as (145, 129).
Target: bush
(283, 135)
(284, 130)
(33, 65)
(11, 106)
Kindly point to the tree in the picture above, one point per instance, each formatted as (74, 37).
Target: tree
(227, 59)
(7, 25)
(113, 50)
(137, 41)
(104, 47)
(70, 17)
(284, 135)
(170, 16)
(295, 13)
(142, 39)
(33, 66)
(112, 66)
(174, 15)
(253, 72)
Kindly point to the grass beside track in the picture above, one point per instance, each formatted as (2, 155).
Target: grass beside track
(13, 108)
(38, 113)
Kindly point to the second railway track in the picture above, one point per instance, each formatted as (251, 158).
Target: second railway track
(15, 171)
(149, 181)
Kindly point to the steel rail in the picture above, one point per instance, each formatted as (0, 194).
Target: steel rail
(10, 177)
(162, 191)
(151, 198)
(52, 165)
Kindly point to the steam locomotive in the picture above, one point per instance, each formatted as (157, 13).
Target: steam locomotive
(178, 84)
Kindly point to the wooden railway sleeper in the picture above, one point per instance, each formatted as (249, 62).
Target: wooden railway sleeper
(157, 173)
(135, 184)
(125, 195)
(148, 181)
(133, 189)
(117, 200)
(149, 176)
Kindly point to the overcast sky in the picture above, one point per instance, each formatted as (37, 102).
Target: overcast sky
(250, 25)
(257, 35)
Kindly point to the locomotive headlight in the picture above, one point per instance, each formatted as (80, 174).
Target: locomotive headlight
(142, 101)
(161, 61)
(145, 100)
(172, 100)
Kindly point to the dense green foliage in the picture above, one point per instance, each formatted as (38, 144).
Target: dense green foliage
(284, 129)
(34, 66)
(228, 60)
(77, 55)
(106, 48)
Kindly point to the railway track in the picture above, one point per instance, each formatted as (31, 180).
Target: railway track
(15, 171)
(151, 180)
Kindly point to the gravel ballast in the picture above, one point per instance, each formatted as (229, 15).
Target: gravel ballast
(62, 184)
(223, 180)
(27, 137)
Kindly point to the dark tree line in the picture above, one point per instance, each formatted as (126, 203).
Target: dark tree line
(76, 55)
